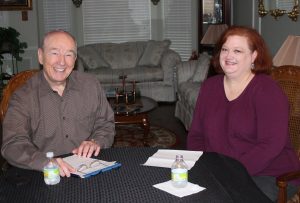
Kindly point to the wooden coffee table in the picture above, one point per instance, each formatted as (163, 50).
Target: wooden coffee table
(134, 113)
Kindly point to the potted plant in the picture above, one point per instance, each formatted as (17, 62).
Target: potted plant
(10, 43)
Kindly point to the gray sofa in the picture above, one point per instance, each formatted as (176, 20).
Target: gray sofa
(150, 63)
(190, 75)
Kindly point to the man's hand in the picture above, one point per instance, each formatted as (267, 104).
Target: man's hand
(87, 148)
(64, 168)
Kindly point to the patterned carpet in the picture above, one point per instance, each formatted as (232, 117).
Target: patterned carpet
(132, 136)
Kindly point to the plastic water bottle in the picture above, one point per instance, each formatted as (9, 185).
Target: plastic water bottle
(51, 171)
(179, 172)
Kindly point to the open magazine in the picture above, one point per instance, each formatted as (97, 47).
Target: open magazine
(86, 167)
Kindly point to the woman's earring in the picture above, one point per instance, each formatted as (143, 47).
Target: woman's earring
(252, 66)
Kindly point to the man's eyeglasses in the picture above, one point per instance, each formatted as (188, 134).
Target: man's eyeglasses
(83, 167)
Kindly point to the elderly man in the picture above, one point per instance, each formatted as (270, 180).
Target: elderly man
(57, 110)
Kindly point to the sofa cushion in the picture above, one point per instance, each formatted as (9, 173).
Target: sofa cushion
(122, 56)
(202, 68)
(153, 52)
(139, 74)
(91, 57)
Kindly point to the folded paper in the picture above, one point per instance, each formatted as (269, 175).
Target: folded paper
(165, 158)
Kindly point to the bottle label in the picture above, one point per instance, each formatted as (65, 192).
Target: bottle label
(51, 173)
(179, 175)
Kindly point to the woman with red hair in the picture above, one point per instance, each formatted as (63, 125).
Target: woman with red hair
(243, 113)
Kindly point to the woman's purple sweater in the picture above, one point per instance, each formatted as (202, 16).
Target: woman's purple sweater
(252, 128)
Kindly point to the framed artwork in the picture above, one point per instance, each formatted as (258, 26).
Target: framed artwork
(8, 5)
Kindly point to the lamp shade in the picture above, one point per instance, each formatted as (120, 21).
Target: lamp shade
(213, 33)
(289, 52)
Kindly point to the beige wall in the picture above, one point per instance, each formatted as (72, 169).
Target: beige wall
(29, 33)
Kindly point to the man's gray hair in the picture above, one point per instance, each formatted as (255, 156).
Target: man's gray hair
(53, 32)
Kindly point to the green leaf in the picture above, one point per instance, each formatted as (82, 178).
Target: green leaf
(10, 43)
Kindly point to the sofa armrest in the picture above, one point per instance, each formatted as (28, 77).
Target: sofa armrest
(79, 66)
(195, 70)
(185, 70)
(169, 60)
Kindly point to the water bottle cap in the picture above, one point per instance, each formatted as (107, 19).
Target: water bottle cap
(49, 154)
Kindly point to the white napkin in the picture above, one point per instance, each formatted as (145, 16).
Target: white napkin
(179, 192)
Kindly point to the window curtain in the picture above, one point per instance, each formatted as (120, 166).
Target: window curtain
(116, 20)
(57, 15)
(178, 25)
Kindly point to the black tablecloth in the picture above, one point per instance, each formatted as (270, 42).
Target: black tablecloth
(225, 180)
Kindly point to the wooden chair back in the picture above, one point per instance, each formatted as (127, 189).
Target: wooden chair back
(13, 84)
(288, 77)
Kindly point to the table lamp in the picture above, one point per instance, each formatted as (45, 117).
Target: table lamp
(289, 52)
(212, 35)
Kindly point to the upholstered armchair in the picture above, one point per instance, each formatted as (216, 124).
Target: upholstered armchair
(190, 75)
(288, 77)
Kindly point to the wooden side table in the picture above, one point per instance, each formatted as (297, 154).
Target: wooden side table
(134, 113)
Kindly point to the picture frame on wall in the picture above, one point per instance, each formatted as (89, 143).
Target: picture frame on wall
(8, 5)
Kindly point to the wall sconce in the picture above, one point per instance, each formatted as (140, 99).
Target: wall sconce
(155, 2)
(77, 3)
(294, 13)
(261, 9)
(277, 12)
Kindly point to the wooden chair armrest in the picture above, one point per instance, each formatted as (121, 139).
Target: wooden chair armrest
(288, 176)
(281, 182)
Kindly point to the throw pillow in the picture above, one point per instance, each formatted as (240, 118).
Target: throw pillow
(92, 58)
(121, 55)
(153, 52)
(202, 68)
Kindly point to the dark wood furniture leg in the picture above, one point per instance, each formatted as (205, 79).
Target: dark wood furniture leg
(141, 119)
